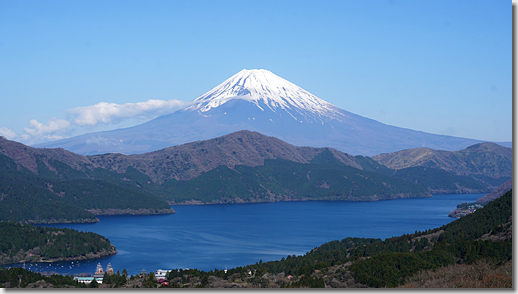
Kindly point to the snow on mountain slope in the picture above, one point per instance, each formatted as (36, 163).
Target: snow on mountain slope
(258, 100)
(263, 88)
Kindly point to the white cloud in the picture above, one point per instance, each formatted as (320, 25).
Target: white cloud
(104, 112)
(7, 133)
(88, 116)
(48, 130)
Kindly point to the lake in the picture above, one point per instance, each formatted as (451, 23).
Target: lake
(230, 235)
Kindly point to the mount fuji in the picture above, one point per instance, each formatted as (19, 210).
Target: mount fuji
(258, 100)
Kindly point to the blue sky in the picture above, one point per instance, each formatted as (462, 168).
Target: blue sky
(442, 67)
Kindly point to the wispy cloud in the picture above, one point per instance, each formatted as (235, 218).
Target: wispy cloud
(8, 133)
(51, 130)
(111, 113)
(87, 116)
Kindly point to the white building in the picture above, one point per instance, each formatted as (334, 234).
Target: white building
(88, 280)
(160, 274)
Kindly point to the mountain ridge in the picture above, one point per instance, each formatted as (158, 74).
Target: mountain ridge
(258, 100)
(186, 161)
(461, 162)
(238, 148)
(241, 167)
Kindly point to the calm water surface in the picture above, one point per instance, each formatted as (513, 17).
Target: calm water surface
(231, 235)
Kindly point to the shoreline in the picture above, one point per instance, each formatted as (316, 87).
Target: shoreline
(87, 256)
(97, 212)
(129, 211)
(288, 199)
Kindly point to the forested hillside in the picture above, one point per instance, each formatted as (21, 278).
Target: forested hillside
(27, 243)
(485, 160)
(47, 198)
(287, 180)
(56, 186)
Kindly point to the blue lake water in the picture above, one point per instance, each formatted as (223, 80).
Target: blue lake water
(230, 235)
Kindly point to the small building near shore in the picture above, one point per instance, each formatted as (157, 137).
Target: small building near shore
(161, 274)
(88, 280)
(98, 276)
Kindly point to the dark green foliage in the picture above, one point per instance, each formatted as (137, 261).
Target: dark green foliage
(131, 179)
(495, 182)
(390, 269)
(59, 170)
(7, 164)
(115, 280)
(468, 251)
(370, 164)
(19, 277)
(220, 184)
(319, 258)
(61, 195)
(98, 194)
(93, 284)
(291, 180)
(326, 157)
(325, 178)
(480, 222)
(24, 197)
(438, 180)
(48, 243)
(435, 180)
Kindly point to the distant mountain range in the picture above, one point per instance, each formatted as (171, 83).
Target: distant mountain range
(258, 100)
(55, 185)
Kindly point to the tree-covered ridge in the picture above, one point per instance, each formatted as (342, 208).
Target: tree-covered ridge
(99, 194)
(26, 198)
(28, 243)
(54, 185)
(490, 218)
(63, 195)
(487, 159)
(22, 278)
(439, 181)
(190, 160)
(287, 180)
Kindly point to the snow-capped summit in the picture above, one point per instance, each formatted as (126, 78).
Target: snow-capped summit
(260, 85)
(258, 100)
